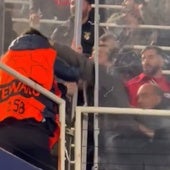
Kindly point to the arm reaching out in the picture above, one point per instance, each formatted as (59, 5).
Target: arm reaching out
(77, 60)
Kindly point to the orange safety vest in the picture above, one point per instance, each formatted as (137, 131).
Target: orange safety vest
(18, 100)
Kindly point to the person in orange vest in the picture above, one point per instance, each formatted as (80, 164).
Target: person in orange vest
(27, 118)
(29, 124)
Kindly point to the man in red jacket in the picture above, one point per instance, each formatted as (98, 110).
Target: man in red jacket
(152, 63)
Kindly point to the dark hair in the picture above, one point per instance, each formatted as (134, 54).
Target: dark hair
(34, 31)
(113, 51)
(158, 50)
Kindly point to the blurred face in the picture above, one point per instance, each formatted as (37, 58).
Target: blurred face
(147, 97)
(102, 55)
(151, 62)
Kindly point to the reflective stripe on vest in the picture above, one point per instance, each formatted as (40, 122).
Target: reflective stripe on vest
(17, 99)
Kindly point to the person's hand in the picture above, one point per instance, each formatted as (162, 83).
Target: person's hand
(71, 88)
(146, 131)
(34, 20)
(78, 48)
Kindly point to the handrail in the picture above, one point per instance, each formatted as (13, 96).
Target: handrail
(53, 21)
(141, 47)
(17, 1)
(160, 27)
(106, 110)
(108, 6)
(47, 21)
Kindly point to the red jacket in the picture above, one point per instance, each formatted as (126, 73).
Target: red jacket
(134, 84)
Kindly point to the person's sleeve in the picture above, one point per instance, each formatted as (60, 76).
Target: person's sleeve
(77, 60)
(65, 72)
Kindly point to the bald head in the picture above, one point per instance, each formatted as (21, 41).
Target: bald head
(149, 96)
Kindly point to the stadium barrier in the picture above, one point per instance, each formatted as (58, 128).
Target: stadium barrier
(104, 110)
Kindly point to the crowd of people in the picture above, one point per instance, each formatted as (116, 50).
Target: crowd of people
(128, 78)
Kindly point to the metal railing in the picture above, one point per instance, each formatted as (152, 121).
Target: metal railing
(107, 6)
(17, 1)
(104, 110)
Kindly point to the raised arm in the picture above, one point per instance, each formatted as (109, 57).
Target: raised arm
(77, 60)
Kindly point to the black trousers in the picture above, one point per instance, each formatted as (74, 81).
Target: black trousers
(28, 140)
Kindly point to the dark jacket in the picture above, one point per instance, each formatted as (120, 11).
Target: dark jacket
(111, 89)
(77, 60)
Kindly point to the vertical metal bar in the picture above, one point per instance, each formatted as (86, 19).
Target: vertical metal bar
(96, 90)
(2, 26)
(84, 140)
(78, 23)
(61, 162)
(74, 103)
(96, 22)
(77, 41)
(78, 129)
(77, 38)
